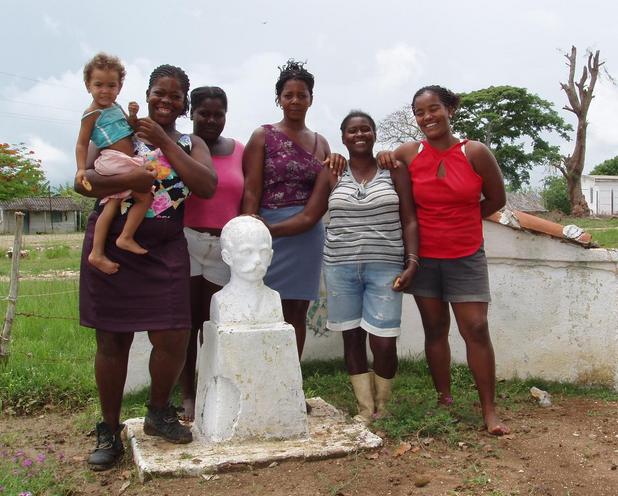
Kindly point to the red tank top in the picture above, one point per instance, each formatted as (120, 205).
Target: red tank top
(447, 202)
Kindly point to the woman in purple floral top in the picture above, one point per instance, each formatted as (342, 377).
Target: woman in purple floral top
(281, 163)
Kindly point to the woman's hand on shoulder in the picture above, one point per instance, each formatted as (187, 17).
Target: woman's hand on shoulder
(337, 163)
(400, 157)
(386, 160)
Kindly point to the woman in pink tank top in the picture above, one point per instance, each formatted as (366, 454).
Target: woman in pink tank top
(203, 221)
(455, 185)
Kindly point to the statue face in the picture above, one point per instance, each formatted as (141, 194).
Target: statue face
(247, 248)
(249, 259)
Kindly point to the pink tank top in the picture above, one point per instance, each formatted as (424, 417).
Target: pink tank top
(215, 212)
(448, 202)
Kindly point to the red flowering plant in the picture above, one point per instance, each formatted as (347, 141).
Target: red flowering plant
(21, 174)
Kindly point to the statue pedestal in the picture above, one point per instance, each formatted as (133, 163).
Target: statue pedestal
(249, 384)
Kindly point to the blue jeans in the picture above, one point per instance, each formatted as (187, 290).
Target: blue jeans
(361, 295)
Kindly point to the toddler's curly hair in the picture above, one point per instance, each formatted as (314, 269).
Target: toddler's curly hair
(104, 62)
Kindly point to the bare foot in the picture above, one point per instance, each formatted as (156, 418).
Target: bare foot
(131, 245)
(103, 263)
(188, 410)
(445, 400)
(494, 426)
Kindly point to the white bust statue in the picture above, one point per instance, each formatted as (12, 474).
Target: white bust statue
(246, 246)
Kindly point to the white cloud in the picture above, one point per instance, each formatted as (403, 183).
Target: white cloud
(602, 115)
(56, 162)
(86, 49)
(46, 152)
(398, 66)
(548, 20)
(51, 24)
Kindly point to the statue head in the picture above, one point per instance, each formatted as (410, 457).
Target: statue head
(246, 246)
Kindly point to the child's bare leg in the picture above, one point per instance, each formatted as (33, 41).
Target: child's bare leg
(97, 256)
(125, 241)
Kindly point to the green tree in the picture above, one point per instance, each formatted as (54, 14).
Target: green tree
(607, 168)
(556, 194)
(21, 174)
(513, 123)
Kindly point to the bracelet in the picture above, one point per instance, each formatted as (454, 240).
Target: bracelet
(412, 255)
(413, 261)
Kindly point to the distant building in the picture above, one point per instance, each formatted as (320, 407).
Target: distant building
(41, 215)
(601, 193)
(530, 202)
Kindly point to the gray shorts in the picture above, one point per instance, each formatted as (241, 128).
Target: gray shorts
(455, 280)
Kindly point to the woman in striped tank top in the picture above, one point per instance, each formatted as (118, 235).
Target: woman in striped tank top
(370, 257)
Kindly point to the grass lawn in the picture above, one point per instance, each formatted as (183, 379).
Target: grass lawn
(604, 230)
(51, 362)
(51, 368)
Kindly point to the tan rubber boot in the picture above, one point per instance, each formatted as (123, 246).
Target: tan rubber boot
(382, 395)
(363, 390)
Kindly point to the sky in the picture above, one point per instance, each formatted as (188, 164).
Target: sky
(364, 54)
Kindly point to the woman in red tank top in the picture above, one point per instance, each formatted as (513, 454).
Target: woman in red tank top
(448, 178)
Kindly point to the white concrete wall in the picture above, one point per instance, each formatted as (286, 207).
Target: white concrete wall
(554, 313)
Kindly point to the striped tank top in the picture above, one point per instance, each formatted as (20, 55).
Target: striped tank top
(364, 222)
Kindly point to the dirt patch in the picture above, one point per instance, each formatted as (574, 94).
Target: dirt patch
(568, 449)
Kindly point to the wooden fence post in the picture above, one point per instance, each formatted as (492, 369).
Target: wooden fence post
(5, 337)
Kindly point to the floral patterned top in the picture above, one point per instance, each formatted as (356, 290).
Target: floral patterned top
(168, 189)
(290, 171)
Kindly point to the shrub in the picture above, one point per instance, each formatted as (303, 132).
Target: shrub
(58, 251)
(555, 194)
(607, 168)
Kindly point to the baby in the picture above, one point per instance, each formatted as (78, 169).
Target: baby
(105, 123)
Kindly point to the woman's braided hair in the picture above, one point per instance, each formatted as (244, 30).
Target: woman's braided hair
(294, 70)
(198, 95)
(177, 73)
(449, 99)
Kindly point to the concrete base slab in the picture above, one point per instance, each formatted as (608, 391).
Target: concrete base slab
(331, 434)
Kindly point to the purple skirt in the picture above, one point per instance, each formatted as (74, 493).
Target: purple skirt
(149, 292)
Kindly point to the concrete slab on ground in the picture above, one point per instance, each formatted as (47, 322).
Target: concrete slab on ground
(331, 434)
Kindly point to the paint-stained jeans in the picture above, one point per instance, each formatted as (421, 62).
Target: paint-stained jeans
(361, 295)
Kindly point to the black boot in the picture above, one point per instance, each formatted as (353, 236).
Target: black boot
(109, 448)
(164, 422)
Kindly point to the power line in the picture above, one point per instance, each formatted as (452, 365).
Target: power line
(35, 80)
(40, 105)
(38, 118)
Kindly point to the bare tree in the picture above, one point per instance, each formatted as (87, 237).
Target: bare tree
(398, 127)
(580, 95)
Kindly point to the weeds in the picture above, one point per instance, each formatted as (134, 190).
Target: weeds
(53, 257)
(51, 366)
(28, 474)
